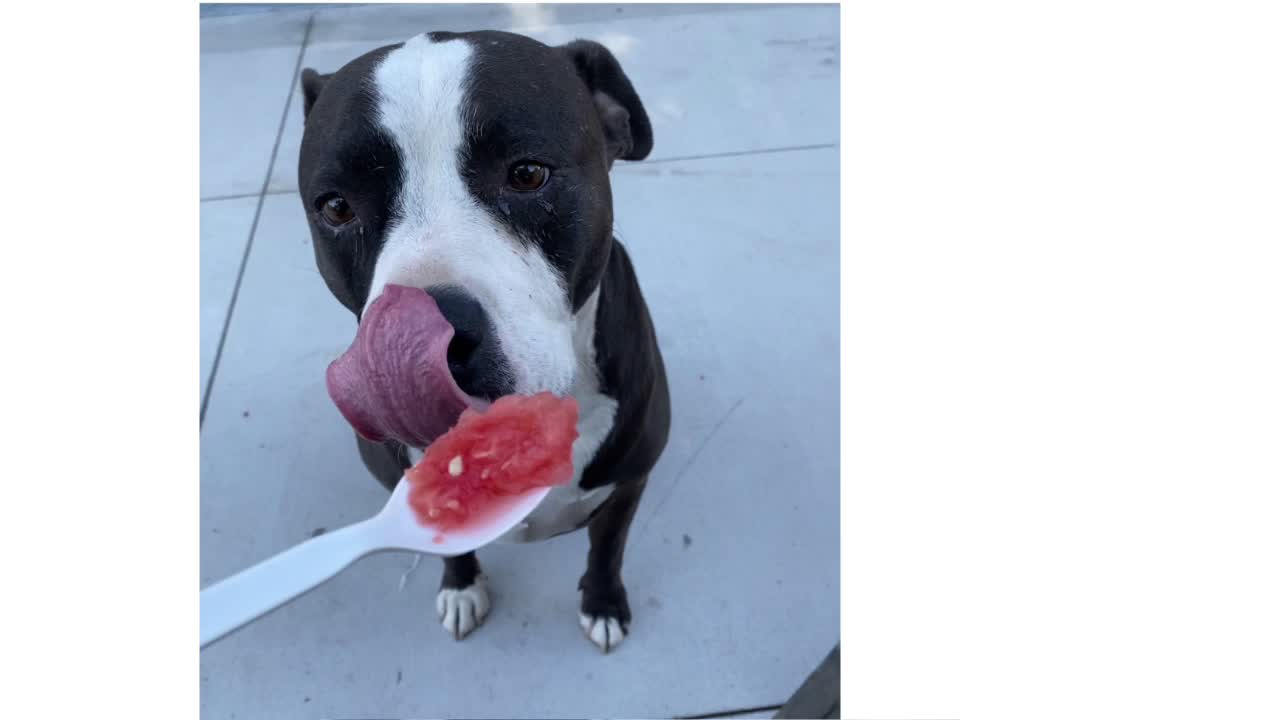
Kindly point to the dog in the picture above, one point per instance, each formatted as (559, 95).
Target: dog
(475, 166)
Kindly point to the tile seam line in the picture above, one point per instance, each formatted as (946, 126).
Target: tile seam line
(688, 463)
(736, 153)
(253, 228)
(242, 196)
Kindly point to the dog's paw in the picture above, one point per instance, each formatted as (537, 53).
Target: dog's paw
(462, 610)
(606, 632)
(605, 616)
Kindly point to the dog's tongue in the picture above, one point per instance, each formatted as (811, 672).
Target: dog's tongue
(394, 381)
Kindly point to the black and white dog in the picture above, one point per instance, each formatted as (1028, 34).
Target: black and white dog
(476, 166)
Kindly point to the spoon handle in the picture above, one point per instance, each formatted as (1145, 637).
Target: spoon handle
(248, 595)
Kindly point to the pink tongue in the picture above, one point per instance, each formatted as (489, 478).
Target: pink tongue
(394, 381)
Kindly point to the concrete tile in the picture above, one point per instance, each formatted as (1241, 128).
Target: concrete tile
(244, 85)
(258, 451)
(712, 82)
(738, 258)
(224, 230)
(254, 28)
(390, 22)
(733, 562)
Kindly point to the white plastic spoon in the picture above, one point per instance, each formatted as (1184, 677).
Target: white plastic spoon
(242, 598)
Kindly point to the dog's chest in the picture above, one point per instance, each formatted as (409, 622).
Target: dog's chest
(567, 507)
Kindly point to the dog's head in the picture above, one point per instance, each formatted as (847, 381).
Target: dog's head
(473, 166)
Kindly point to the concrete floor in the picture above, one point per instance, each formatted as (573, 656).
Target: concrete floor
(733, 225)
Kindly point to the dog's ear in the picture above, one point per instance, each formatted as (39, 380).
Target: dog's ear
(312, 83)
(626, 125)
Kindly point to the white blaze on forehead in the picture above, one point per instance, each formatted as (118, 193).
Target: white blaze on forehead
(442, 236)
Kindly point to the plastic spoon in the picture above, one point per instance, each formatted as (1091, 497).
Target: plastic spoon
(242, 598)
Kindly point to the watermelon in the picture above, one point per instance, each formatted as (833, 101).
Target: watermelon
(515, 445)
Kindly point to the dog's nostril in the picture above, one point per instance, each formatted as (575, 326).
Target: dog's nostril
(470, 325)
(461, 348)
(473, 356)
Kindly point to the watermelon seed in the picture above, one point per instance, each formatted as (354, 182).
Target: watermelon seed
(455, 466)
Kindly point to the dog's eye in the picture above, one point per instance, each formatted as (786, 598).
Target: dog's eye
(527, 176)
(336, 211)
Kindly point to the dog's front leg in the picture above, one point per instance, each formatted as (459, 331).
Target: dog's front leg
(463, 600)
(605, 615)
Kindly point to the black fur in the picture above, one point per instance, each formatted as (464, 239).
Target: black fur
(626, 124)
(345, 152)
(518, 90)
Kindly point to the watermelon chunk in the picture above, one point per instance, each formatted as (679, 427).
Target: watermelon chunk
(519, 443)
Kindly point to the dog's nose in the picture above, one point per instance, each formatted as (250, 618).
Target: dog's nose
(474, 357)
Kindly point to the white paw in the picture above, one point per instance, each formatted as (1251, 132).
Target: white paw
(606, 633)
(462, 611)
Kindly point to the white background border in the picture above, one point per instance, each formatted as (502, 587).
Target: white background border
(1061, 353)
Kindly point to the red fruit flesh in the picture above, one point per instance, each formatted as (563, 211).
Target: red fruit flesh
(517, 444)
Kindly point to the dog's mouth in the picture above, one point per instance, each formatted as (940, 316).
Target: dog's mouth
(396, 382)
